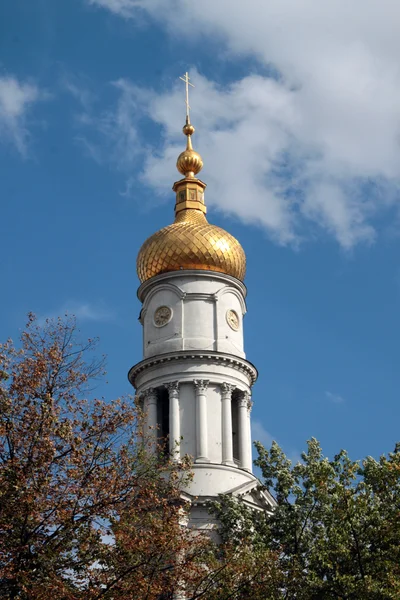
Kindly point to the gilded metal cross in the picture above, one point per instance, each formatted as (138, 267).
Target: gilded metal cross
(186, 79)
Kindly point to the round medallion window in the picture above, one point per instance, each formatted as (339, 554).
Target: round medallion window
(233, 319)
(162, 316)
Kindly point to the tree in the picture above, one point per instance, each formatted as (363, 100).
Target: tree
(86, 510)
(335, 529)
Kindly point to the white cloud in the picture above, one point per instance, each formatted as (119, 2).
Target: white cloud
(125, 8)
(83, 311)
(320, 144)
(80, 90)
(260, 434)
(335, 398)
(16, 99)
(116, 138)
(90, 312)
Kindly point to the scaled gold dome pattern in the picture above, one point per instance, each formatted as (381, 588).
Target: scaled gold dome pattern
(191, 243)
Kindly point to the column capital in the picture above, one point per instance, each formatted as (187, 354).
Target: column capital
(201, 385)
(227, 388)
(244, 400)
(150, 395)
(172, 387)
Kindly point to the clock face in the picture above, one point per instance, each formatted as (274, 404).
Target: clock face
(162, 316)
(233, 319)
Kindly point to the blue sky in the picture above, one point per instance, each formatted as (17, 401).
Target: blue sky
(297, 110)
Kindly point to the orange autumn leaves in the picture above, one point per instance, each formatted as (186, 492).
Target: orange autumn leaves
(86, 512)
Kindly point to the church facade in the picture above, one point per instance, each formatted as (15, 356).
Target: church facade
(194, 381)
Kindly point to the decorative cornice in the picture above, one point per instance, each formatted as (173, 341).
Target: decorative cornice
(215, 358)
(164, 277)
(199, 296)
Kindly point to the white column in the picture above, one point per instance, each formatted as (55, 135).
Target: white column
(227, 441)
(201, 386)
(174, 419)
(150, 408)
(244, 441)
(249, 407)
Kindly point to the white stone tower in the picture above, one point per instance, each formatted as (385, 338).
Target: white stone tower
(194, 379)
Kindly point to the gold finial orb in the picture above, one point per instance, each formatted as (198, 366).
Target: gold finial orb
(188, 129)
(189, 163)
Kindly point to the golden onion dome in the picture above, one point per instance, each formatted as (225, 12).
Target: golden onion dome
(190, 242)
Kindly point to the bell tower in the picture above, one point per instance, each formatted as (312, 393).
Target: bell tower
(194, 380)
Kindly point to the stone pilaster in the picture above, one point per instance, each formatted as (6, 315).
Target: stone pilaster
(250, 447)
(174, 419)
(201, 386)
(226, 422)
(244, 439)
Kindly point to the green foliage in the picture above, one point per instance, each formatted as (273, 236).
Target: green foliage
(87, 512)
(335, 529)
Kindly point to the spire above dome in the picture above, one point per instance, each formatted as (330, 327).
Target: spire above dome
(190, 243)
(189, 162)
